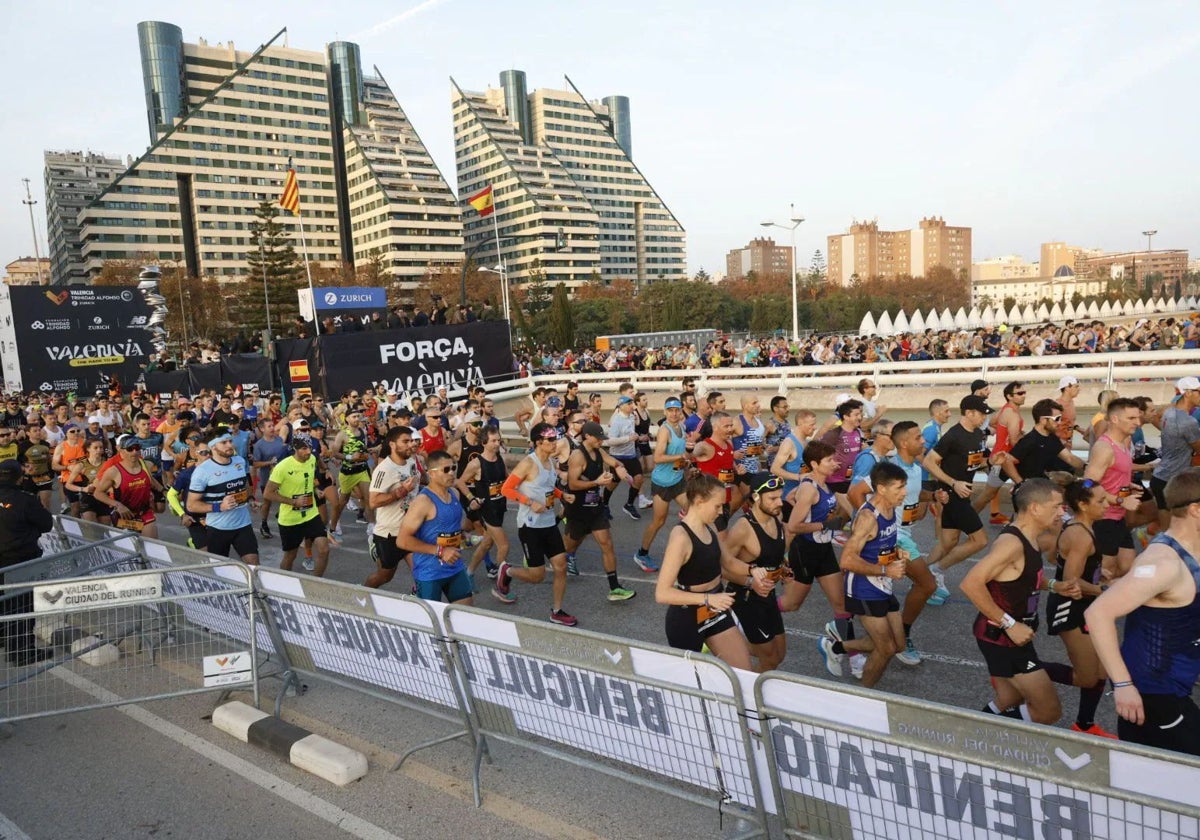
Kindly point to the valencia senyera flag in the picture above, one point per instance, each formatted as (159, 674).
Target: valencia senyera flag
(483, 202)
(290, 198)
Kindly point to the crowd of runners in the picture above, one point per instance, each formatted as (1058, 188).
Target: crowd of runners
(769, 501)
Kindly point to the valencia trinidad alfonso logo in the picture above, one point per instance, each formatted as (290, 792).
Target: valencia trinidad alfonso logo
(58, 299)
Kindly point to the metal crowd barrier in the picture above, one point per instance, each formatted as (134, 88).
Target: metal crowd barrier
(851, 763)
(576, 695)
(116, 639)
(388, 646)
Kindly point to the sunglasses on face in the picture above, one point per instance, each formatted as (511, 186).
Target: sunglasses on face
(1056, 419)
(137, 447)
(203, 452)
(445, 470)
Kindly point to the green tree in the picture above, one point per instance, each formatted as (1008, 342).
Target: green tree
(560, 328)
(816, 270)
(274, 259)
(702, 276)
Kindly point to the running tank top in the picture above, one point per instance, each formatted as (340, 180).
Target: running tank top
(796, 465)
(491, 480)
(541, 489)
(1017, 597)
(1003, 444)
(879, 550)
(445, 529)
(772, 551)
(465, 454)
(819, 512)
(135, 491)
(1162, 644)
(588, 502)
(668, 475)
(751, 440)
(1091, 566)
(88, 473)
(1118, 478)
(720, 467)
(845, 450)
(704, 564)
(71, 454)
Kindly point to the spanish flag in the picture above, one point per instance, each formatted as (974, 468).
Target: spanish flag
(290, 199)
(483, 202)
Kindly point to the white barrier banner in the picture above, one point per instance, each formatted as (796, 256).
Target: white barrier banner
(87, 594)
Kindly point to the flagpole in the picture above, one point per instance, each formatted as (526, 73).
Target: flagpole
(308, 271)
(500, 258)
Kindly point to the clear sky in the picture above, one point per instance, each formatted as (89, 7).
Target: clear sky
(1028, 121)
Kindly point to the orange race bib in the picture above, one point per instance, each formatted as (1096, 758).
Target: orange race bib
(910, 514)
(130, 524)
(241, 496)
(452, 540)
(494, 489)
(754, 450)
(1125, 492)
(726, 477)
(549, 500)
(975, 459)
(777, 574)
(886, 557)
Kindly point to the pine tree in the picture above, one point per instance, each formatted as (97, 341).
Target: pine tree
(561, 326)
(283, 270)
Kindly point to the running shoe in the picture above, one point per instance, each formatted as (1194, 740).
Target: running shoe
(352, 503)
(265, 530)
(632, 511)
(1094, 729)
(490, 567)
(857, 662)
(308, 564)
(643, 502)
(361, 518)
(564, 618)
(833, 661)
(910, 655)
(503, 579)
(332, 536)
(572, 566)
(940, 595)
(620, 594)
(831, 630)
(645, 563)
(337, 532)
(999, 519)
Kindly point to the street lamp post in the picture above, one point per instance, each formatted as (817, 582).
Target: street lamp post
(29, 201)
(1149, 234)
(795, 223)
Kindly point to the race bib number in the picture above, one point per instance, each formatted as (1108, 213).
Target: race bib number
(241, 496)
(449, 540)
(680, 463)
(777, 574)
(706, 618)
(1125, 492)
(726, 477)
(975, 459)
(754, 450)
(886, 557)
(550, 500)
(591, 498)
(910, 513)
(494, 490)
(130, 524)
(302, 500)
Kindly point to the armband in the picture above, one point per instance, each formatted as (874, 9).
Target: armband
(558, 493)
(216, 507)
(1007, 621)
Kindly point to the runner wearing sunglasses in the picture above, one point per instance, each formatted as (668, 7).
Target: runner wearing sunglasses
(128, 488)
(760, 540)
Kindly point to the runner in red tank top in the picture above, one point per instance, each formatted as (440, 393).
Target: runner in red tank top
(433, 438)
(128, 489)
(714, 456)
(1009, 426)
(1110, 465)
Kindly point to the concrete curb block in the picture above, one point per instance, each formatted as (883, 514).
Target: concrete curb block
(319, 756)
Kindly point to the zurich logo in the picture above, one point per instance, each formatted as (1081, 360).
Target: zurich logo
(97, 320)
(37, 325)
(331, 298)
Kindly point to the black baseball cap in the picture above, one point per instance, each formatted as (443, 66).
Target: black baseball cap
(973, 403)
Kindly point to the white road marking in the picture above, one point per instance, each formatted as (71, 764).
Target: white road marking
(9, 830)
(315, 805)
(935, 657)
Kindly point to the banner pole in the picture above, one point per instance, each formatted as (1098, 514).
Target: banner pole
(308, 271)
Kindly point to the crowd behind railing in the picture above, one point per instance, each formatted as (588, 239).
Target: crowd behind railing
(1000, 341)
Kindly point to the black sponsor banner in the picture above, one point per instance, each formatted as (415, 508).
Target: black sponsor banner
(416, 360)
(296, 365)
(167, 382)
(246, 371)
(206, 376)
(73, 338)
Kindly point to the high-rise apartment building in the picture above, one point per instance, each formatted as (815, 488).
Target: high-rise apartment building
(224, 124)
(569, 201)
(762, 256)
(867, 251)
(73, 179)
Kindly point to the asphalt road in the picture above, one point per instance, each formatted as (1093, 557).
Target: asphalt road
(161, 770)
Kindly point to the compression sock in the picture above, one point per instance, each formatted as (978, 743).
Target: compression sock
(633, 493)
(844, 624)
(839, 648)
(613, 583)
(1089, 699)
(1059, 673)
(907, 630)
